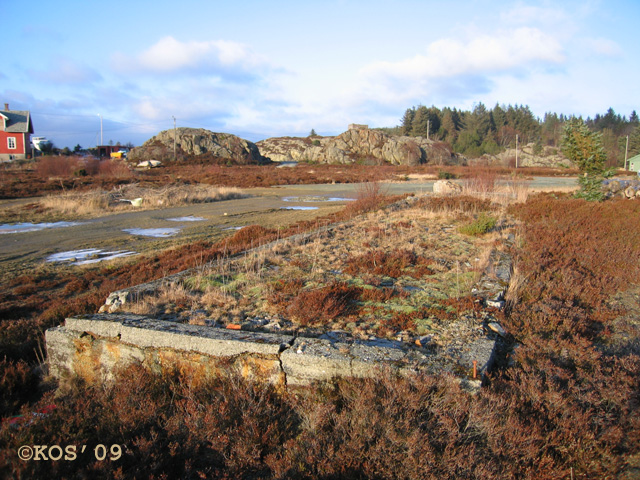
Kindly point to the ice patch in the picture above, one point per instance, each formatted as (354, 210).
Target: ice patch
(153, 232)
(298, 208)
(310, 198)
(189, 218)
(34, 227)
(87, 256)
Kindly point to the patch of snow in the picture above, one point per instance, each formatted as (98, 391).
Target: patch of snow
(34, 227)
(153, 232)
(87, 256)
(189, 218)
(317, 199)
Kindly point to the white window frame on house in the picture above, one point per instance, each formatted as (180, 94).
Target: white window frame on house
(11, 143)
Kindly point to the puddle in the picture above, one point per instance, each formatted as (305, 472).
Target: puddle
(153, 232)
(87, 256)
(298, 208)
(287, 164)
(312, 198)
(189, 218)
(34, 227)
(233, 228)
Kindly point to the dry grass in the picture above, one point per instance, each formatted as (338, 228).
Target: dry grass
(98, 201)
(372, 275)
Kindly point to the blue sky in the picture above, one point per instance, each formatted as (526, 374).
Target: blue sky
(273, 68)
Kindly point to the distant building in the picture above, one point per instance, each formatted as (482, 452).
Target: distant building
(355, 126)
(634, 163)
(15, 134)
(107, 150)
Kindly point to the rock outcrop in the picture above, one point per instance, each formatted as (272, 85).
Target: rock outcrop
(528, 156)
(359, 144)
(194, 142)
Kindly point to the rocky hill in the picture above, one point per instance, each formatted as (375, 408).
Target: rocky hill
(528, 156)
(195, 142)
(359, 144)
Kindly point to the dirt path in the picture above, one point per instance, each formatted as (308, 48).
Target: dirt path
(23, 250)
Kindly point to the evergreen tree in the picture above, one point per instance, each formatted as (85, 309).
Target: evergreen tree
(407, 121)
(584, 148)
(634, 142)
(448, 130)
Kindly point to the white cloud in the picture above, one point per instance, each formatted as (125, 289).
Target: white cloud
(484, 54)
(453, 70)
(169, 55)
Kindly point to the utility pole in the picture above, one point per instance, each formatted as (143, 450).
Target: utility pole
(626, 152)
(175, 132)
(516, 150)
(101, 139)
(428, 127)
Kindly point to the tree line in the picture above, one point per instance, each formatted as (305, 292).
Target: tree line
(483, 130)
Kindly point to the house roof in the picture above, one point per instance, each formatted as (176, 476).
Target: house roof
(17, 121)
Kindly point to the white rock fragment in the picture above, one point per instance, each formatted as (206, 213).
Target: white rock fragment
(496, 327)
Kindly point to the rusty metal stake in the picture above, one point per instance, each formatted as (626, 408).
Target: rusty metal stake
(475, 369)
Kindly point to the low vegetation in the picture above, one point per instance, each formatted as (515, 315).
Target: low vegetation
(404, 272)
(565, 407)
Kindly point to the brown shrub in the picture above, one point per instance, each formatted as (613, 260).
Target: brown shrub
(394, 264)
(166, 426)
(400, 321)
(319, 306)
(17, 385)
(370, 196)
(381, 295)
(250, 237)
(56, 166)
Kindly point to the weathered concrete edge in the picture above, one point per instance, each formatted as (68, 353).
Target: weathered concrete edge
(147, 332)
(301, 360)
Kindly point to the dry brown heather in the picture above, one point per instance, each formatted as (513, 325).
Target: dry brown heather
(567, 409)
(59, 174)
(403, 271)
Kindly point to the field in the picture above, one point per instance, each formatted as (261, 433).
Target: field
(562, 404)
(403, 273)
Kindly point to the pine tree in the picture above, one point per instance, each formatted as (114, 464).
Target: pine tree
(420, 122)
(407, 121)
(584, 148)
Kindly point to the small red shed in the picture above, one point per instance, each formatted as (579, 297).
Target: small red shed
(15, 134)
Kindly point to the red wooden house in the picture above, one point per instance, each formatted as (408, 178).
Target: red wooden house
(15, 134)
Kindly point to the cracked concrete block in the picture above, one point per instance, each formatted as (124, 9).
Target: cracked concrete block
(482, 351)
(367, 357)
(60, 347)
(146, 332)
(312, 359)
